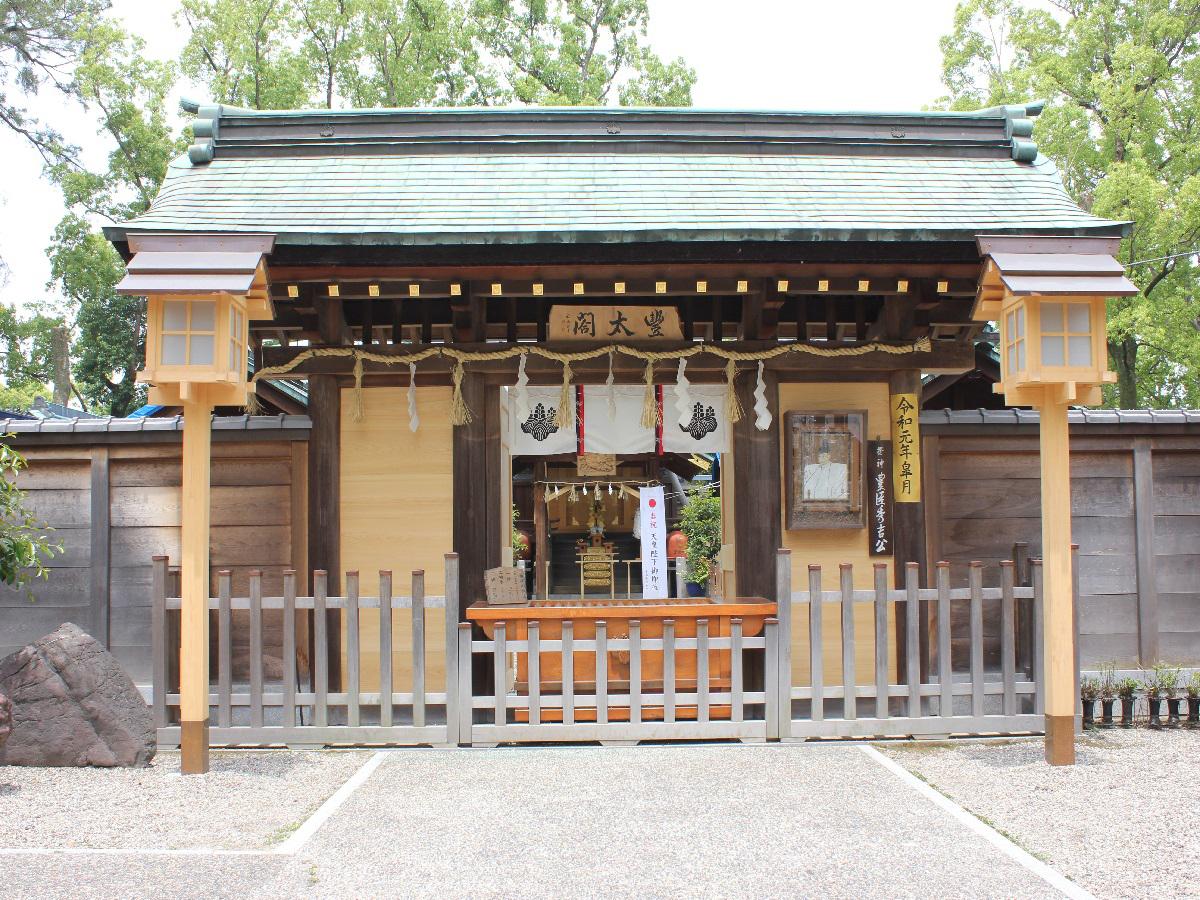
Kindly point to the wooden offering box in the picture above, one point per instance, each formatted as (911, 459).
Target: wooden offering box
(617, 614)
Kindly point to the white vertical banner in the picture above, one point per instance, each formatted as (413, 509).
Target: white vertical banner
(654, 544)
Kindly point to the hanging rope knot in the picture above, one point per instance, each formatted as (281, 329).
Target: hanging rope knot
(357, 410)
(649, 406)
(733, 406)
(565, 416)
(460, 413)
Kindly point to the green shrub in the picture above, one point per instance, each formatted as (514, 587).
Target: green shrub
(700, 521)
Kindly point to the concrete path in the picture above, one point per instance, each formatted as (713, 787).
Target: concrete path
(674, 821)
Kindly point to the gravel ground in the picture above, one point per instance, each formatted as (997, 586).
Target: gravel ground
(1123, 822)
(248, 800)
(678, 821)
(648, 822)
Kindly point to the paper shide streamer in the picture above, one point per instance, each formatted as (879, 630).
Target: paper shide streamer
(521, 392)
(683, 399)
(414, 422)
(762, 412)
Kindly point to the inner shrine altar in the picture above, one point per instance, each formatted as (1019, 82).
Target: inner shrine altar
(675, 619)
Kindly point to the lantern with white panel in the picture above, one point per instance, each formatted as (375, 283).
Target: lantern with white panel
(202, 290)
(193, 341)
(1048, 296)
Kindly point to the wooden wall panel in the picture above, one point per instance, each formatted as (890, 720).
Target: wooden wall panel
(396, 507)
(830, 548)
(58, 493)
(252, 528)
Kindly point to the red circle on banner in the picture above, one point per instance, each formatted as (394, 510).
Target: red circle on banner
(653, 503)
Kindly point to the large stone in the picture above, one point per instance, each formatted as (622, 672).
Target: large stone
(73, 705)
(5, 719)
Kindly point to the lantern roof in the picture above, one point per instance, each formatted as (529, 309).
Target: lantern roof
(611, 175)
(1035, 265)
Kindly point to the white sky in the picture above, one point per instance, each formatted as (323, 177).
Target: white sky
(758, 54)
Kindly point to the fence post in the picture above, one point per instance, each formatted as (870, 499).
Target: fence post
(771, 633)
(816, 645)
(882, 680)
(158, 639)
(783, 612)
(466, 710)
(912, 625)
(1039, 638)
(452, 661)
(975, 582)
(1075, 630)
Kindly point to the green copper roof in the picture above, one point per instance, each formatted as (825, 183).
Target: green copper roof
(562, 176)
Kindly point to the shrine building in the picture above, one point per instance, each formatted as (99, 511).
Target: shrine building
(580, 317)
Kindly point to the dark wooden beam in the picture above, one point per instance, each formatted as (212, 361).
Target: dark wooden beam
(752, 313)
(757, 503)
(324, 518)
(603, 273)
(331, 321)
(470, 489)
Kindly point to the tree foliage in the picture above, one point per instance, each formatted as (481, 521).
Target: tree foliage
(269, 54)
(700, 521)
(25, 545)
(1123, 127)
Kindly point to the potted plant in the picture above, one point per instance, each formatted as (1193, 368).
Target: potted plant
(700, 522)
(1193, 699)
(1089, 690)
(1127, 689)
(1161, 683)
(1171, 678)
(1108, 693)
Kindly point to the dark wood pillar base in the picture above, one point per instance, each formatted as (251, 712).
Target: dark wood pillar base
(193, 747)
(1060, 740)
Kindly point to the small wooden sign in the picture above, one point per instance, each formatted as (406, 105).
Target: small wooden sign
(615, 324)
(879, 497)
(906, 436)
(591, 464)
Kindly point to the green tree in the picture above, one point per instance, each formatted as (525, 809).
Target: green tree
(40, 44)
(127, 94)
(1123, 126)
(24, 541)
(26, 363)
(574, 52)
(246, 52)
(112, 327)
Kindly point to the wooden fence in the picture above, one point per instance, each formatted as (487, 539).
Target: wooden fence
(895, 700)
(298, 710)
(1135, 487)
(764, 700)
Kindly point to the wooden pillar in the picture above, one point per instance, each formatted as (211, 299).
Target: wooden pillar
(758, 526)
(1058, 603)
(193, 651)
(541, 534)
(471, 489)
(324, 499)
(101, 562)
(908, 517)
(1147, 588)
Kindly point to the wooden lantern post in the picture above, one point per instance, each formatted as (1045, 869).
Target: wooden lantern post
(194, 583)
(1048, 297)
(196, 359)
(201, 292)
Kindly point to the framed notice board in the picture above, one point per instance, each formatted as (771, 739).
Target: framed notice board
(824, 469)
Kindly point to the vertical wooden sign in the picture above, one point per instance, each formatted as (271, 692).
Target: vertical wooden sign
(906, 438)
(879, 493)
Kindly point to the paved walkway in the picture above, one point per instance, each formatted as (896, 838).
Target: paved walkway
(648, 821)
